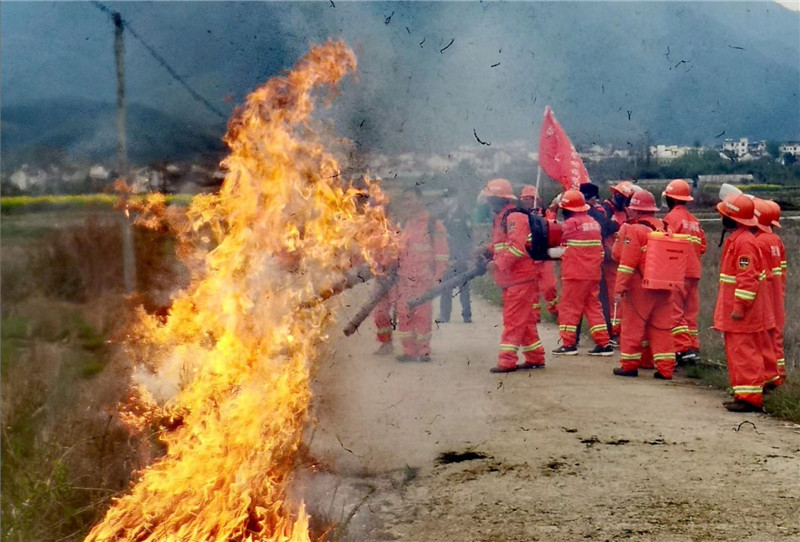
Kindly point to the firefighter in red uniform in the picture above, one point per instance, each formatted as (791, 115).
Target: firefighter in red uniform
(546, 269)
(422, 261)
(769, 245)
(580, 277)
(646, 313)
(686, 302)
(741, 312)
(516, 274)
(779, 270)
(617, 215)
(608, 230)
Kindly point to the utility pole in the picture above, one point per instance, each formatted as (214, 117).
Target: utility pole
(128, 253)
(119, 56)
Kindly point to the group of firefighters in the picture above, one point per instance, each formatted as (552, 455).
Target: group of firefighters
(603, 252)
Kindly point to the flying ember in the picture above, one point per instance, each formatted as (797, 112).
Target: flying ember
(284, 228)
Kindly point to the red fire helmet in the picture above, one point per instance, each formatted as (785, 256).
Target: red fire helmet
(776, 213)
(738, 208)
(679, 189)
(763, 213)
(528, 191)
(498, 188)
(624, 187)
(572, 200)
(643, 200)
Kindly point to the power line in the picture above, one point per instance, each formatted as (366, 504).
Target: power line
(117, 18)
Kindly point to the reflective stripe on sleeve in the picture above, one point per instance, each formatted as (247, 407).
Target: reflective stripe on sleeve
(744, 294)
(625, 269)
(584, 243)
(727, 279)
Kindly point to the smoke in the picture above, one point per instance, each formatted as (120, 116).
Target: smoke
(434, 74)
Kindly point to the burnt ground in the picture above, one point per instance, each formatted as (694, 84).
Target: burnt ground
(446, 451)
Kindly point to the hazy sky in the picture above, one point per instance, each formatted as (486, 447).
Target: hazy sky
(431, 73)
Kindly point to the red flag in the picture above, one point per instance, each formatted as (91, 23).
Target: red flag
(557, 155)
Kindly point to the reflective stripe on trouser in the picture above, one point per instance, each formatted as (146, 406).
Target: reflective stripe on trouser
(414, 327)
(770, 351)
(648, 316)
(779, 352)
(519, 326)
(382, 314)
(579, 297)
(686, 306)
(745, 365)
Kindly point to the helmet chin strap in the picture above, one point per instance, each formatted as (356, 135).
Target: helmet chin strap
(727, 226)
(722, 236)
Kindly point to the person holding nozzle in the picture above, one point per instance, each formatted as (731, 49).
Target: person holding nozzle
(458, 225)
(646, 313)
(686, 301)
(608, 231)
(741, 312)
(422, 261)
(547, 285)
(580, 277)
(516, 274)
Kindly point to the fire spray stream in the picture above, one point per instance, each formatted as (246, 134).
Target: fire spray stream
(283, 229)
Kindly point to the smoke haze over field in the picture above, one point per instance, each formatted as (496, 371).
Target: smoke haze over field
(431, 76)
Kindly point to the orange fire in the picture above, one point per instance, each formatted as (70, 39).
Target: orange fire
(283, 228)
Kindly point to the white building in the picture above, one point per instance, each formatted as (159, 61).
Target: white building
(736, 148)
(668, 152)
(791, 147)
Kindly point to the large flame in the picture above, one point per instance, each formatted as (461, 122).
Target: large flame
(283, 228)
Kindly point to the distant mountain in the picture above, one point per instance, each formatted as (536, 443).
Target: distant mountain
(431, 75)
(85, 129)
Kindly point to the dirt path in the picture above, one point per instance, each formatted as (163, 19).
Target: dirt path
(569, 453)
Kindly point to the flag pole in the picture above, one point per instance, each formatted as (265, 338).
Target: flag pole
(538, 178)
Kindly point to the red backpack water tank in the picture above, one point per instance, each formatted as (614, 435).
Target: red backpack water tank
(665, 261)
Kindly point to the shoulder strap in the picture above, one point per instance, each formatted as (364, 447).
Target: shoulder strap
(504, 219)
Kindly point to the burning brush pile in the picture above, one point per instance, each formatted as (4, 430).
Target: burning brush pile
(283, 230)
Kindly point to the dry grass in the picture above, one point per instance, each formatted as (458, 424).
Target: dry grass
(64, 451)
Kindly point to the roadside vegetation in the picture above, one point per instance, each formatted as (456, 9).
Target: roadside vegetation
(709, 162)
(64, 452)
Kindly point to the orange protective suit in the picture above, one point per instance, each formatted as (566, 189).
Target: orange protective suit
(686, 302)
(382, 314)
(768, 244)
(647, 314)
(580, 279)
(741, 293)
(516, 273)
(617, 219)
(548, 288)
(423, 261)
